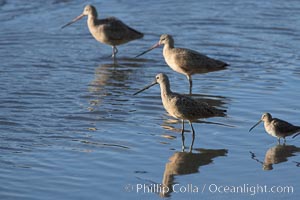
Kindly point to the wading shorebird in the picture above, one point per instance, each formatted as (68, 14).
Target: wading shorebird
(186, 61)
(182, 107)
(277, 127)
(110, 31)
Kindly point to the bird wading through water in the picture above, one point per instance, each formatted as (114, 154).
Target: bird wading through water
(277, 127)
(110, 31)
(183, 107)
(186, 61)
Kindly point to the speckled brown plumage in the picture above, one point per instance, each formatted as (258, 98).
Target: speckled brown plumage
(186, 61)
(183, 107)
(110, 31)
(276, 127)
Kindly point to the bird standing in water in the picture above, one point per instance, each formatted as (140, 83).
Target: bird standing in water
(186, 61)
(110, 31)
(277, 127)
(182, 107)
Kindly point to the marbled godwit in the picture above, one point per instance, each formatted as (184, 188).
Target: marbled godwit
(277, 127)
(182, 107)
(186, 61)
(110, 31)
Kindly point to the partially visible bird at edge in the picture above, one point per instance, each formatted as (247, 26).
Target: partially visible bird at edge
(277, 128)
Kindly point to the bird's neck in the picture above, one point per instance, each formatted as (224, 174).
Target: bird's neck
(168, 47)
(91, 20)
(268, 120)
(165, 89)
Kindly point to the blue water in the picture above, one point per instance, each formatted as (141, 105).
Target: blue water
(70, 127)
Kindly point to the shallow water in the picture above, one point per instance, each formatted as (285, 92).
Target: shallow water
(71, 129)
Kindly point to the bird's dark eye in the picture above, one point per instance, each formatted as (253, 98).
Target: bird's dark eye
(157, 77)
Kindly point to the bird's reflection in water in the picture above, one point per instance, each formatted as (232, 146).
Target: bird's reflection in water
(109, 75)
(216, 101)
(111, 78)
(276, 154)
(182, 163)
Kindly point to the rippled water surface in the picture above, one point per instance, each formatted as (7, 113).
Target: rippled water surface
(70, 127)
